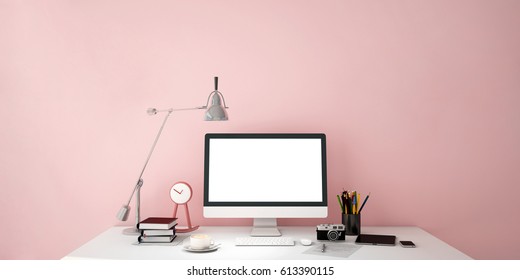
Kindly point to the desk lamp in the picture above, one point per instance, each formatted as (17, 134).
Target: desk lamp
(214, 112)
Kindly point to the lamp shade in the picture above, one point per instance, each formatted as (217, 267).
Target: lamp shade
(216, 111)
(122, 215)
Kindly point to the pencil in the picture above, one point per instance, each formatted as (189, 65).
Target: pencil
(354, 203)
(365, 201)
(341, 205)
(357, 203)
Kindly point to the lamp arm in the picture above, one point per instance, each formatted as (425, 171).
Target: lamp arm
(155, 143)
(187, 109)
(140, 180)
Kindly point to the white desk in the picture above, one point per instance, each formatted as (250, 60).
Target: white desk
(112, 244)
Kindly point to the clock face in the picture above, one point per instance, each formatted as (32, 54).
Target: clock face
(180, 193)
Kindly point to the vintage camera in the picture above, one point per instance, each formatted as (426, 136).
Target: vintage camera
(331, 232)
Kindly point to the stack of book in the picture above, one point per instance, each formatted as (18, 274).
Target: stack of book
(157, 230)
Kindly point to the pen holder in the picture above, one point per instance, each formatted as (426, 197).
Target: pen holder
(352, 223)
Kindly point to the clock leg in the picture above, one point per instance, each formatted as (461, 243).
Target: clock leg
(175, 206)
(188, 219)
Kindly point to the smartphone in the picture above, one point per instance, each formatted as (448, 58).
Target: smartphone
(407, 244)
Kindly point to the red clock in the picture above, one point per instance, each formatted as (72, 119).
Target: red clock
(181, 193)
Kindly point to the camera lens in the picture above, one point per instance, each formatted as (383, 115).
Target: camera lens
(333, 235)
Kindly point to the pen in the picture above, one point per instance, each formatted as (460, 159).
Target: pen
(365, 201)
(354, 203)
(323, 248)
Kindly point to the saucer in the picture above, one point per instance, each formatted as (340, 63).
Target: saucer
(211, 248)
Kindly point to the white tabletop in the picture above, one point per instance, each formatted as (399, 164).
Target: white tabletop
(112, 244)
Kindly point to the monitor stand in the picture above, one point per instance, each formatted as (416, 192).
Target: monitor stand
(265, 227)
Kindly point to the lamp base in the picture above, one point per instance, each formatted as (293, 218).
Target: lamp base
(131, 231)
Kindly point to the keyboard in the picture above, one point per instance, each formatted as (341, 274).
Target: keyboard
(264, 241)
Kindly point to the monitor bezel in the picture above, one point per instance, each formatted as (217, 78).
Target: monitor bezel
(320, 136)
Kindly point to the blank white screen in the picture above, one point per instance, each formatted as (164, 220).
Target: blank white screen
(265, 170)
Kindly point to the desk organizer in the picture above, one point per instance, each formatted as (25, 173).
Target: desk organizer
(352, 223)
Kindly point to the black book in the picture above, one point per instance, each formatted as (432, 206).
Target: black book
(156, 239)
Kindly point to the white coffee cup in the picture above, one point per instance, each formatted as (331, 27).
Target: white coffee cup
(200, 241)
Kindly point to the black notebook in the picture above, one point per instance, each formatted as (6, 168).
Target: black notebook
(374, 239)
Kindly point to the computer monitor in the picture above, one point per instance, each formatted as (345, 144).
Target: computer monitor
(265, 176)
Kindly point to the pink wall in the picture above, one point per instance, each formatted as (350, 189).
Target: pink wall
(419, 100)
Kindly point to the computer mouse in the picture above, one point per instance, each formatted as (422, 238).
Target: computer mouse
(305, 242)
